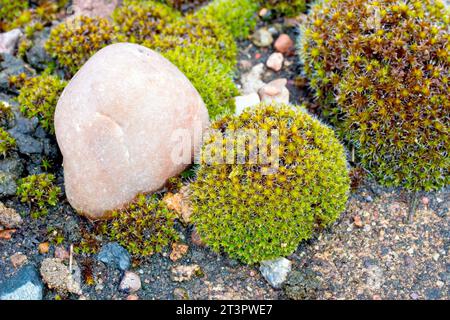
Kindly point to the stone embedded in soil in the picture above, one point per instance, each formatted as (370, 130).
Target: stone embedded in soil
(114, 255)
(130, 282)
(185, 273)
(24, 285)
(57, 276)
(11, 168)
(95, 8)
(127, 122)
(247, 101)
(196, 239)
(357, 221)
(275, 61)
(275, 92)
(43, 247)
(180, 203)
(180, 294)
(284, 44)
(7, 234)
(251, 81)
(275, 271)
(262, 38)
(302, 285)
(178, 251)
(18, 259)
(9, 218)
(9, 40)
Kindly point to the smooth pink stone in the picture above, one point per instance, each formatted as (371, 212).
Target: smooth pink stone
(95, 8)
(119, 124)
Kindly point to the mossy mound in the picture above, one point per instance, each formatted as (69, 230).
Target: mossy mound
(38, 98)
(213, 81)
(288, 8)
(256, 211)
(10, 12)
(144, 227)
(138, 21)
(40, 192)
(237, 16)
(7, 143)
(73, 42)
(380, 69)
(202, 32)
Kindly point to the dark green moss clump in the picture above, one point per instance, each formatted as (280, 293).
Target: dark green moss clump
(40, 192)
(381, 71)
(144, 227)
(213, 81)
(73, 42)
(257, 211)
(138, 21)
(38, 98)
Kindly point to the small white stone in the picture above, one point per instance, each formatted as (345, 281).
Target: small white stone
(275, 92)
(249, 100)
(275, 61)
(9, 40)
(276, 271)
(130, 282)
(251, 81)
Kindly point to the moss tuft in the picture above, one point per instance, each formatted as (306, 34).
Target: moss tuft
(288, 8)
(40, 192)
(380, 69)
(7, 143)
(73, 42)
(202, 32)
(138, 21)
(257, 211)
(10, 12)
(38, 98)
(238, 16)
(144, 227)
(213, 81)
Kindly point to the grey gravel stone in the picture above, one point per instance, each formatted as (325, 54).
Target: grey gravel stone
(27, 144)
(302, 285)
(37, 56)
(115, 255)
(10, 169)
(24, 285)
(275, 271)
(10, 65)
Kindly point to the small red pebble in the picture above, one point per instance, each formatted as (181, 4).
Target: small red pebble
(357, 221)
(132, 297)
(425, 201)
(257, 55)
(284, 43)
(376, 297)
